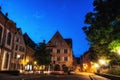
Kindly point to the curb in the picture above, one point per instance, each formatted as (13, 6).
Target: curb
(91, 78)
(112, 77)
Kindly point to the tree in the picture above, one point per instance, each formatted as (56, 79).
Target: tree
(103, 26)
(42, 54)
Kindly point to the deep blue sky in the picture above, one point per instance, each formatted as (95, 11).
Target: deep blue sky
(42, 18)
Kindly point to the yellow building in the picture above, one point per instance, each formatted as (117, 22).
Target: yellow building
(61, 51)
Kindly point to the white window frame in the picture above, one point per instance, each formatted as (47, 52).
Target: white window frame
(2, 34)
(8, 46)
(3, 60)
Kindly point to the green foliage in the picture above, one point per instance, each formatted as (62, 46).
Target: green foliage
(115, 71)
(42, 54)
(103, 27)
(114, 46)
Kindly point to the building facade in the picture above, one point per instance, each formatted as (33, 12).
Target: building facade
(9, 35)
(86, 62)
(7, 30)
(19, 50)
(30, 51)
(61, 51)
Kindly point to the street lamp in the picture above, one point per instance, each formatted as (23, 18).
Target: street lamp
(18, 56)
(102, 62)
(118, 51)
(96, 65)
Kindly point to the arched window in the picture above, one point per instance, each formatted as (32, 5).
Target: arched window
(6, 60)
(1, 33)
(9, 38)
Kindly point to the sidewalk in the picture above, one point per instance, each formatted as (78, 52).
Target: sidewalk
(110, 76)
(96, 77)
(93, 76)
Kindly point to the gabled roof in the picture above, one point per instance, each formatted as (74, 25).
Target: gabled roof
(57, 35)
(69, 42)
(29, 41)
(18, 30)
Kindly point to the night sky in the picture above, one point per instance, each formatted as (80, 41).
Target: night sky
(42, 18)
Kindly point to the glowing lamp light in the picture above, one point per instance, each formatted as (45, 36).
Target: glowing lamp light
(18, 56)
(96, 65)
(102, 62)
(85, 66)
(35, 62)
(118, 51)
(27, 60)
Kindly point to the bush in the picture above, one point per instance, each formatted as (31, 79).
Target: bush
(115, 71)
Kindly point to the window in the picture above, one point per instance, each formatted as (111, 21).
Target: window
(9, 38)
(65, 51)
(56, 43)
(1, 29)
(62, 43)
(65, 58)
(58, 58)
(22, 56)
(15, 56)
(20, 40)
(6, 60)
(51, 50)
(22, 49)
(17, 39)
(58, 50)
(16, 47)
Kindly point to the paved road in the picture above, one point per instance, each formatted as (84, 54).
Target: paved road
(80, 76)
